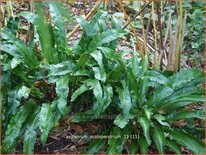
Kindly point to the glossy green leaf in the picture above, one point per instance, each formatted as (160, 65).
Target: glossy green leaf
(97, 55)
(156, 77)
(134, 147)
(99, 73)
(60, 9)
(24, 92)
(145, 123)
(160, 95)
(109, 53)
(30, 134)
(161, 119)
(122, 120)
(81, 63)
(45, 116)
(12, 24)
(102, 38)
(13, 103)
(95, 146)
(62, 90)
(133, 84)
(98, 95)
(159, 139)
(15, 62)
(135, 65)
(192, 143)
(13, 130)
(44, 30)
(107, 96)
(62, 68)
(58, 15)
(116, 142)
(144, 81)
(144, 146)
(186, 114)
(184, 76)
(18, 49)
(79, 91)
(92, 28)
(187, 98)
(29, 141)
(172, 145)
(125, 100)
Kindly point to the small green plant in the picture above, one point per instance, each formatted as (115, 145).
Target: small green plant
(195, 26)
(46, 79)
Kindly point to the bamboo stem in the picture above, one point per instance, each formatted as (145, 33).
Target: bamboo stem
(85, 11)
(9, 9)
(143, 30)
(2, 13)
(177, 53)
(160, 30)
(105, 4)
(156, 63)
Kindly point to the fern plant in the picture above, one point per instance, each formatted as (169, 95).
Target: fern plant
(148, 104)
(46, 79)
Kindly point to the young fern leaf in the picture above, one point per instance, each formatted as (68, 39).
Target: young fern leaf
(44, 31)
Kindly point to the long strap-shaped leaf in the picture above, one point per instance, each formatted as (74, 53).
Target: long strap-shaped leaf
(44, 30)
(62, 90)
(102, 38)
(187, 98)
(30, 134)
(173, 146)
(15, 125)
(17, 48)
(145, 123)
(48, 116)
(186, 114)
(159, 139)
(187, 140)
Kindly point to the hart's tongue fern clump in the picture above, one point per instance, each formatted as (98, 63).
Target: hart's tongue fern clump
(40, 87)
